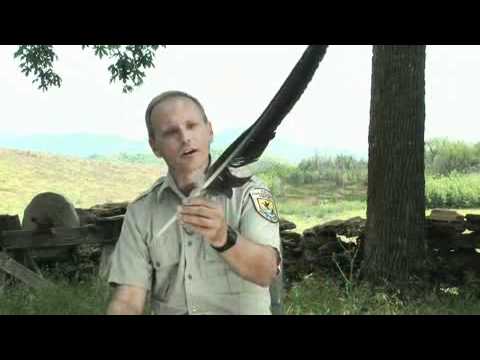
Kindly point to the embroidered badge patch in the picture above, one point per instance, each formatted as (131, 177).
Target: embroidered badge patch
(263, 201)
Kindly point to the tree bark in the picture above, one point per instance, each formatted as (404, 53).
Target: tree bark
(395, 245)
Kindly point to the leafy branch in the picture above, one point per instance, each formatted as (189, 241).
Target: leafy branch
(129, 63)
(39, 60)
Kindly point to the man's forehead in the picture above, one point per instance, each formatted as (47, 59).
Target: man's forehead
(174, 105)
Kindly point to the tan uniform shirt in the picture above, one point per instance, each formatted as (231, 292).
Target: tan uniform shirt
(182, 271)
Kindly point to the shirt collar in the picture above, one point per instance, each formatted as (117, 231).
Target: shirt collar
(169, 182)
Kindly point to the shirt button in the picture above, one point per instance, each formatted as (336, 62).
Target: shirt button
(189, 243)
(189, 277)
(188, 230)
(157, 264)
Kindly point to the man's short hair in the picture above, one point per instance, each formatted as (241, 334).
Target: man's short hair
(166, 96)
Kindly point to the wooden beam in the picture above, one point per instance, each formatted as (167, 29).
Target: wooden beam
(17, 270)
(57, 237)
(3, 282)
(10, 222)
(7, 222)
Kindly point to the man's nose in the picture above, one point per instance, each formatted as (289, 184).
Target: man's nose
(185, 136)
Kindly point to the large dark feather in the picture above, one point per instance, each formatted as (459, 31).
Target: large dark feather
(249, 146)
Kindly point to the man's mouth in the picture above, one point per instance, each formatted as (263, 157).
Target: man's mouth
(189, 152)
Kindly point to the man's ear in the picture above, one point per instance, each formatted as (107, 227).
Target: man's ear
(154, 148)
(210, 132)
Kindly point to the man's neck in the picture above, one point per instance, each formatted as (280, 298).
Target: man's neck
(187, 181)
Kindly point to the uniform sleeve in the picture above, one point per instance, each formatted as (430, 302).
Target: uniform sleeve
(130, 264)
(257, 223)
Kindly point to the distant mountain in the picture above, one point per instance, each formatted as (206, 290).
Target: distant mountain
(285, 149)
(81, 145)
(87, 145)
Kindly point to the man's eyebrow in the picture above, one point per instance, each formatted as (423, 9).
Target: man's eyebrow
(169, 128)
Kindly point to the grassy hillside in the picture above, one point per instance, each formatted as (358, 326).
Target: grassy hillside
(24, 174)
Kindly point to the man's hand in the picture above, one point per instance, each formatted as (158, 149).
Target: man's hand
(206, 218)
(254, 262)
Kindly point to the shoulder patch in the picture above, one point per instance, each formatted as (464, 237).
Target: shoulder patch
(264, 204)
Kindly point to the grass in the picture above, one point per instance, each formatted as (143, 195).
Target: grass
(324, 296)
(310, 205)
(315, 295)
(84, 298)
(305, 216)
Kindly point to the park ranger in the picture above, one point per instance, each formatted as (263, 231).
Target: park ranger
(222, 254)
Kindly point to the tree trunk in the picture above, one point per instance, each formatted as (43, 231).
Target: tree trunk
(395, 245)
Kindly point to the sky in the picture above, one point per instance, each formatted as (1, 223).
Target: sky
(235, 84)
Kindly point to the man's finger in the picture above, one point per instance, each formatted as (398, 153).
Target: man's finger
(204, 232)
(197, 221)
(199, 201)
(198, 211)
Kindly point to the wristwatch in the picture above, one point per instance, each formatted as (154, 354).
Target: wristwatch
(232, 237)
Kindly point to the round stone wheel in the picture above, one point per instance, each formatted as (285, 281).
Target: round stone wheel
(48, 210)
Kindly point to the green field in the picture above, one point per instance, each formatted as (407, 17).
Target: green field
(310, 205)
(90, 182)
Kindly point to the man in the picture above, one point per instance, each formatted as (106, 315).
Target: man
(220, 256)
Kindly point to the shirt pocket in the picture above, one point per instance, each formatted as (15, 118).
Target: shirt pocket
(220, 277)
(165, 257)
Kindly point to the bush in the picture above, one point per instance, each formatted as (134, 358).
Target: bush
(443, 156)
(341, 170)
(295, 178)
(454, 191)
